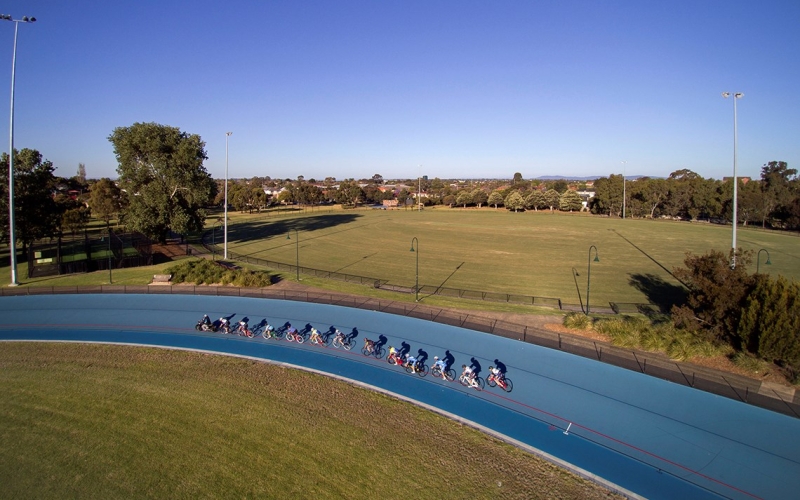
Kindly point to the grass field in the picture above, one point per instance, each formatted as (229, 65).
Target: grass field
(95, 421)
(530, 253)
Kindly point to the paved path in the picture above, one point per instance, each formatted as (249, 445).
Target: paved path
(654, 438)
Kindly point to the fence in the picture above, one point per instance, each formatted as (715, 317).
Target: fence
(82, 254)
(384, 284)
(769, 396)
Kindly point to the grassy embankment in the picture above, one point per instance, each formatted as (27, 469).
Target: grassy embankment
(93, 421)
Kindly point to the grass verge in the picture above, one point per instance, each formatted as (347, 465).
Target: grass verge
(99, 421)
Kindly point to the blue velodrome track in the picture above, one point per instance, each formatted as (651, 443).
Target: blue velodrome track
(650, 437)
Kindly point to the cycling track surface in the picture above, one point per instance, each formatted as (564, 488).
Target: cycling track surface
(649, 437)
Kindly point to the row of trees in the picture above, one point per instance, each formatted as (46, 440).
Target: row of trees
(771, 201)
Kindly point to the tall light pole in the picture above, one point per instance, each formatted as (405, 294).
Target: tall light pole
(416, 281)
(12, 240)
(419, 190)
(225, 247)
(737, 95)
(296, 249)
(589, 274)
(624, 198)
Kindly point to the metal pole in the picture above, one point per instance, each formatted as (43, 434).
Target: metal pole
(12, 239)
(589, 274)
(416, 279)
(419, 190)
(225, 255)
(736, 95)
(624, 198)
(110, 281)
(297, 253)
(758, 259)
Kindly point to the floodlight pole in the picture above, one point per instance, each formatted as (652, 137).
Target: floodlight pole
(419, 190)
(624, 198)
(12, 239)
(416, 280)
(296, 249)
(110, 280)
(736, 95)
(589, 274)
(225, 247)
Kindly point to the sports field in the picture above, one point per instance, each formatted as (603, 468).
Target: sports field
(528, 253)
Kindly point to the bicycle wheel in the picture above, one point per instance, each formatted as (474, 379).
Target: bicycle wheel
(491, 381)
(379, 352)
(481, 384)
(390, 359)
(337, 343)
(365, 351)
(409, 368)
(463, 381)
(299, 338)
(509, 385)
(422, 369)
(348, 344)
(290, 337)
(450, 374)
(436, 372)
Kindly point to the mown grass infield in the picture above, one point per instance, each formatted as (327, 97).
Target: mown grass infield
(99, 421)
(530, 253)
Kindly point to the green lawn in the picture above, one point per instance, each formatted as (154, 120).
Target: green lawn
(530, 253)
(95, 421)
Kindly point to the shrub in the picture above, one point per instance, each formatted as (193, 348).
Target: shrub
(578, 321)
(203, 271)
(749, 363)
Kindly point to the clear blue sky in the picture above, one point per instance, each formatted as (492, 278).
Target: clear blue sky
(464, 88)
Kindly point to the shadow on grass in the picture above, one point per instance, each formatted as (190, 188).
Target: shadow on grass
(658, 291)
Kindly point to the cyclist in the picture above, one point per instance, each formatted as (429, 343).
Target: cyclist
(468, 374)
(206, 322)
(442, 366)
(392, 354)
(291, 331)
(497, 374)
(268, 329)
(224, 325)
(369, 345)
(340, 336)
(315, 336)
(411, 361)
(242, 327)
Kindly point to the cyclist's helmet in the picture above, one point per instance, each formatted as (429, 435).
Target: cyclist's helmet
(436, 358)
(491, 368)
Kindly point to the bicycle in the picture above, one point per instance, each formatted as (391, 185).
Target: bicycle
(417, 367)
(317, 339)
(341, 341)
(504, 383)
(394, 357)
(449, 375)
(270, 332)
(294, 336)
(244, 331)
(372, 349)
(476, 383)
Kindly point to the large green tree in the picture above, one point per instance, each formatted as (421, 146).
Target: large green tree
(36, 214)
(105, 200)
(161, 169)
